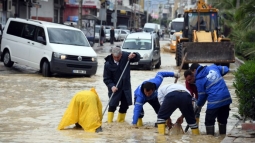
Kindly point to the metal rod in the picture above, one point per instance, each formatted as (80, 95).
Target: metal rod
(116, 86)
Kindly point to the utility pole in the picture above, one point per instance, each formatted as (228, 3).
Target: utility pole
(27, 8)
(80, 14)
(148, 8)
(134, 4)
(160, 12)
(115, 11)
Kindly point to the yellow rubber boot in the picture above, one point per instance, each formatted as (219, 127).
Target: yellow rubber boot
(195, 131)
(121, 117)
(110, 117)
(139, 122)
(161, 129)
(197, 120)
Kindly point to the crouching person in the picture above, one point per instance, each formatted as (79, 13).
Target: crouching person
(170, 98)
(85, 111)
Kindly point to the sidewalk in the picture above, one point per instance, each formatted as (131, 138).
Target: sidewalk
(237, 135)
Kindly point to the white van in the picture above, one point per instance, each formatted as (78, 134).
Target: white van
(153, 28)
(145, 45)
(48, 47)
(176, 25)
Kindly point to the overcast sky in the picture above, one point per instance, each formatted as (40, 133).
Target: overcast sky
(154, 4)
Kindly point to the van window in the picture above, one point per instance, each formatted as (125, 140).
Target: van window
(28, 32)
(67, 37)
(40, 35)
(15, 28)
(145, 29)
(137, 44)
(177, 26)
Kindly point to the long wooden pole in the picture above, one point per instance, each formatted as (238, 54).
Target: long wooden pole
(180, 68)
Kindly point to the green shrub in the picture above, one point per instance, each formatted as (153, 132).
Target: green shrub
(245, 89)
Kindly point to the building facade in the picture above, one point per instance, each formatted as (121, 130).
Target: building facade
(47, 10)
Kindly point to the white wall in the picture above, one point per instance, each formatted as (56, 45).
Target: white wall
(46, 9)
(125, 2)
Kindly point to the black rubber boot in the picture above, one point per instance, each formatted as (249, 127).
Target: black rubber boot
(77, 125)
(99, 129)
(222, 129)
(210, 130)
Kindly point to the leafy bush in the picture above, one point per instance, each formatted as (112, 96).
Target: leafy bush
(245, 89)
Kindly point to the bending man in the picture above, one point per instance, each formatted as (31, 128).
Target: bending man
(172, 97)
(147, 92)
(212, 87)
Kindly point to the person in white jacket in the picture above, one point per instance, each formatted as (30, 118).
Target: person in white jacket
(171, 97)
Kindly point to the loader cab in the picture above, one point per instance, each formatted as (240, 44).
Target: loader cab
(203, 21)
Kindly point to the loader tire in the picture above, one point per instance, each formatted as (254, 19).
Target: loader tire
(179, 57)
(178, 54)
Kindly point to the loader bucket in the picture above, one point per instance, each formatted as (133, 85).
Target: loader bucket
(209, 52)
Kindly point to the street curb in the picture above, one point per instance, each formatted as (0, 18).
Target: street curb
(238, 62)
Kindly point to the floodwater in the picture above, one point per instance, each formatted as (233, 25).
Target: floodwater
(32, 107)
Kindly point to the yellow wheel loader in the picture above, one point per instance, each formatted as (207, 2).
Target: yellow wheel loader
(202, 40)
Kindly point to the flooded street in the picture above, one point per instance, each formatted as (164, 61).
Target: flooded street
(32, 107)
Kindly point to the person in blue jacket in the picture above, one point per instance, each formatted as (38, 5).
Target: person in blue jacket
(147, 92)
(213, 89)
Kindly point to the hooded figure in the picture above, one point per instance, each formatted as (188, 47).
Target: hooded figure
(84, 110)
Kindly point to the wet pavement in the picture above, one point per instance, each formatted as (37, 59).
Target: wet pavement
(32, 106)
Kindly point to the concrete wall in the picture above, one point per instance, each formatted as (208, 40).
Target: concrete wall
(46, 12)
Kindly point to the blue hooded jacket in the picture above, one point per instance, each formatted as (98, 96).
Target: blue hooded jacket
(212, 87)
(141, 98)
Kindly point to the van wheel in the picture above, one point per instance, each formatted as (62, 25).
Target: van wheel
(157, 66)
(7, 59)
(46, 69)
(150, 67)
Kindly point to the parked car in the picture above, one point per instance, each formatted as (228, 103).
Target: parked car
(48, 47)
(122, 27)
(117, 33)
(123, 34)
(107, 35)
(145, 45)
(174, 40)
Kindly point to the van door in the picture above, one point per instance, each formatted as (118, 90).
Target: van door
(19, 51)
(39, 46)
(156, 52)
(28, 42)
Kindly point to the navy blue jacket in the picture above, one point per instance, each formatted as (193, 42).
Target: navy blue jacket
(112, 73)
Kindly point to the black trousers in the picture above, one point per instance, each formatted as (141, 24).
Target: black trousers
(181, 100)
(123, 105)
(221, 113)
(155, 105)
(111, 40)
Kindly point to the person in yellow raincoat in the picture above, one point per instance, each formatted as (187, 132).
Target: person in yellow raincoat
(84, 110)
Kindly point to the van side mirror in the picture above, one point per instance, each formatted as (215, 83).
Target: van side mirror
(41, 40)
(156, 47)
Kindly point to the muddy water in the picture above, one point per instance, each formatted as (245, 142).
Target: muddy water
(32, 107)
